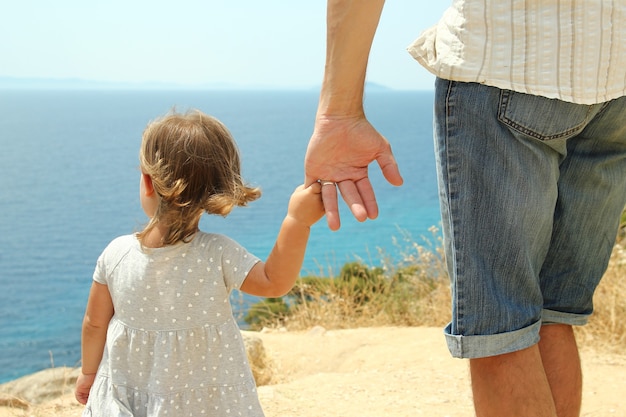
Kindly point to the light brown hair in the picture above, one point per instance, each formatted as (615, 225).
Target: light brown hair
(194, 165)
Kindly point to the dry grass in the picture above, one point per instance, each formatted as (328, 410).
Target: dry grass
(409, 290)
(607, 326)
(413, 290)
(41, 395)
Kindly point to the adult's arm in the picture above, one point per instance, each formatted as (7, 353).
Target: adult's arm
(344, 143)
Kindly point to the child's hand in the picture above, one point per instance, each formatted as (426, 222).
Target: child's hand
(83, 385)
(305, 204)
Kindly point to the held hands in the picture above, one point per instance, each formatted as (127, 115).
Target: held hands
(277, 275)
(305, 204)
(340, 150)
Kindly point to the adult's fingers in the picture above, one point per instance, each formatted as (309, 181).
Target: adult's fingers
(389, 167)
(329, 198)
(351, 196)
(366, 191)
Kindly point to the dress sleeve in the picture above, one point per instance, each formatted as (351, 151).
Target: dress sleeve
(236, 263)
(99, 274)
(112, 255)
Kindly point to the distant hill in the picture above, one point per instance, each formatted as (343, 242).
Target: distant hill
(18, 83)
(370, 86)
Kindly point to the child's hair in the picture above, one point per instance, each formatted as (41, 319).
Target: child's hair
(194, 165)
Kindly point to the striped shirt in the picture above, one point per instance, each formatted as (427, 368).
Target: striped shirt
(573, 50)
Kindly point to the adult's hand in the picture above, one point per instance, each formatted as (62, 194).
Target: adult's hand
(340, 151)
(344, 143)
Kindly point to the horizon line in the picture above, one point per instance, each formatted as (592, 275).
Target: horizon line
(17, 83)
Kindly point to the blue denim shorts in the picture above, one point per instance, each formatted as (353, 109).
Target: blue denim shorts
(531, 193)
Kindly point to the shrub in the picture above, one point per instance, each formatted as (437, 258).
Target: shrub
(269, 309)
(413, 290)
(409, 291)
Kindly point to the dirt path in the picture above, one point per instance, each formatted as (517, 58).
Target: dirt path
(398, 372)
(382, 372)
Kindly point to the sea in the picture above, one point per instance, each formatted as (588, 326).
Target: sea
(69, 184)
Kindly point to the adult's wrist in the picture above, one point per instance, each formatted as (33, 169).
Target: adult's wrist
(341, 103)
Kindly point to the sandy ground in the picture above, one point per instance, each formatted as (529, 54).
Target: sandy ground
(388, 372)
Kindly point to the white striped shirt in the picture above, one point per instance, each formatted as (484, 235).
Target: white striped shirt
(573, 50)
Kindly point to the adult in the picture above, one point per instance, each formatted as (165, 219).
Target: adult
(530, 141)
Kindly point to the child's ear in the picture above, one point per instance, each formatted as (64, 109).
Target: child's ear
(147, 183)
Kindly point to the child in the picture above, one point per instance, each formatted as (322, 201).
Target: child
(159, 337)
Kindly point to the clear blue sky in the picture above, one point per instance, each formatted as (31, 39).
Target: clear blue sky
(273, 43)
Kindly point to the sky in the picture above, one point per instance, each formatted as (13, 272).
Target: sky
(241, 43)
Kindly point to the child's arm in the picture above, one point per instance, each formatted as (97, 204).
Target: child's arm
(95, 324)
(277, 275)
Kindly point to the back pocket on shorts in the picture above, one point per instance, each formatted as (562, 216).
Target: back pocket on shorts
(540, 117)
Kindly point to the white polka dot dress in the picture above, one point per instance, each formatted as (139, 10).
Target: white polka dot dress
(173, 346)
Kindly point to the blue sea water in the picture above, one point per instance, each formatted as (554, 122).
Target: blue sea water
(69, 184)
